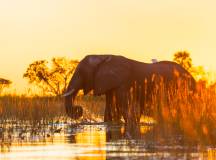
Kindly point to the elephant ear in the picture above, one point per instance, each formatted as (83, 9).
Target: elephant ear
(110, 74)
(90, 65)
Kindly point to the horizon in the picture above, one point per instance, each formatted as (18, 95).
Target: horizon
(35, 30)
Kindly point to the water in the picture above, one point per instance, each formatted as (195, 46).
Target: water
(94, 142)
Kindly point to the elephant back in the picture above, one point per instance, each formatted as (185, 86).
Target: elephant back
(173, 71)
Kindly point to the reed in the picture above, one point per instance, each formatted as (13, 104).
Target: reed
(175, 112)
(190, 114)
(37, 109)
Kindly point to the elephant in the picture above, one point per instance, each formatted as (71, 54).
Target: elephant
(122, 81)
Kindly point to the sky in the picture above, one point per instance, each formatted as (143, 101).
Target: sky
(138, 29)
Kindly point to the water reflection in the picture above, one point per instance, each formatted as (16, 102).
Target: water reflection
(85, 142)
(94, 138)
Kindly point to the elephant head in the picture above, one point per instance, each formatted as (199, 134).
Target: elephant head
(99, 73)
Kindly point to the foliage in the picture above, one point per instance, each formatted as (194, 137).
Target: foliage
(51, 78)
(183, 58)
(199, 73)
(4, 83)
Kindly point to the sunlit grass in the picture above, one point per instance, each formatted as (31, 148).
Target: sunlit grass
(192, 115)
(41, 109)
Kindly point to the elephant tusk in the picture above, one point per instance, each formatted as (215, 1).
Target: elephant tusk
(68, 93)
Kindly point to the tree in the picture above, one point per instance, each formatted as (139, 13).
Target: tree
(4, 83)
(53, 77)
(183, 58)
(199, 73)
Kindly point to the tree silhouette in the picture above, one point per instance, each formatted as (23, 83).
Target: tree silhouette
(4, 83)
(52, 78)
(183, 58)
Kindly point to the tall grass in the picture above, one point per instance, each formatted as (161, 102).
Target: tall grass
(36, 109)
(191, 115)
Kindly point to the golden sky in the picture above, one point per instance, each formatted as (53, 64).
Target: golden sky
(139, 29)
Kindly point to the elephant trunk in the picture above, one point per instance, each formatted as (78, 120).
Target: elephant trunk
(68, 103)
(74, 112)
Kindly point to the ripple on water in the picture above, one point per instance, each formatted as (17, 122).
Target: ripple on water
(91, 142)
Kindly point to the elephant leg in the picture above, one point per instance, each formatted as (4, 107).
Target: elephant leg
(121, 100)
(148, 100)
(112, 110)
(128, 111)
(141, 99)
(116, 113)
(108, 110)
